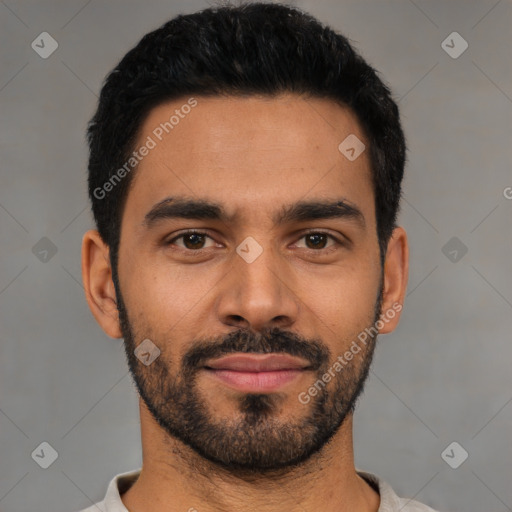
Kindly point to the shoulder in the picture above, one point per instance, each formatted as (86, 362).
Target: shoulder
(117, 486)
(389, 501)
(413, 506)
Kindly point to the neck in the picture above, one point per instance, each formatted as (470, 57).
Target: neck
(176, 478)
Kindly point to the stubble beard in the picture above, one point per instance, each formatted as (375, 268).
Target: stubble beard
(256, 440)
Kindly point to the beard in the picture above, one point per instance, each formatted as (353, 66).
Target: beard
(255, 440)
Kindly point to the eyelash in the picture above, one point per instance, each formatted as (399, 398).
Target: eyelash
(315, 252)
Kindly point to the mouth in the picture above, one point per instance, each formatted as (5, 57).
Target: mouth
(257, 373)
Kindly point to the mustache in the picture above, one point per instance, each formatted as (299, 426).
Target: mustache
(273, 340)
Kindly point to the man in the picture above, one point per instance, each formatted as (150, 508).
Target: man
(245, 174)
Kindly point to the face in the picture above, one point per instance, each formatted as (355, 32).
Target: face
(249, 257)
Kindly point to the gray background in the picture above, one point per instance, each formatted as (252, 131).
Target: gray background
(443, 376)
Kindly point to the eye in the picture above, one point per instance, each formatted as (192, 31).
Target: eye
(191, 240)
(196, 241)
(318, 240)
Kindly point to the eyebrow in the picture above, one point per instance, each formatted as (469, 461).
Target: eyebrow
(200, 209)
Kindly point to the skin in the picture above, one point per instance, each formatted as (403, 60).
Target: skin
(252, 155)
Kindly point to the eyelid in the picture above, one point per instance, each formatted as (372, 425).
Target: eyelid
(319, 231)
(189, 232)
(339, 241)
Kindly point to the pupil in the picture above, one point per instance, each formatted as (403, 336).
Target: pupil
(315, 238)
(194, 240)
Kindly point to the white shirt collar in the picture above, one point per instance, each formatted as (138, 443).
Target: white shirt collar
(389, 501)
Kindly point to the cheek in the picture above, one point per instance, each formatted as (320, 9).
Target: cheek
(345, 303)
(164, 297)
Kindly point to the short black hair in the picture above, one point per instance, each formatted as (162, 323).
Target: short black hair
(249, 49)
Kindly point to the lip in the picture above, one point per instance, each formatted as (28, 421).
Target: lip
(258, 363)
(257, 373)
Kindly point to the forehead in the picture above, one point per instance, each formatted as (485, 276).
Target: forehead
(250, 153)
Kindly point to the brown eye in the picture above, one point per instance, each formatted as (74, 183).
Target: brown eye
(193, 240)
(317, 240)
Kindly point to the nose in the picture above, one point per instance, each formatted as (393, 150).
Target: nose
(258, 294)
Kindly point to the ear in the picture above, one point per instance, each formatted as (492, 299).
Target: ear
(396, 273)
(99, 287)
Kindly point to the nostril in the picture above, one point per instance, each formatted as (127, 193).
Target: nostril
(238, 320)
